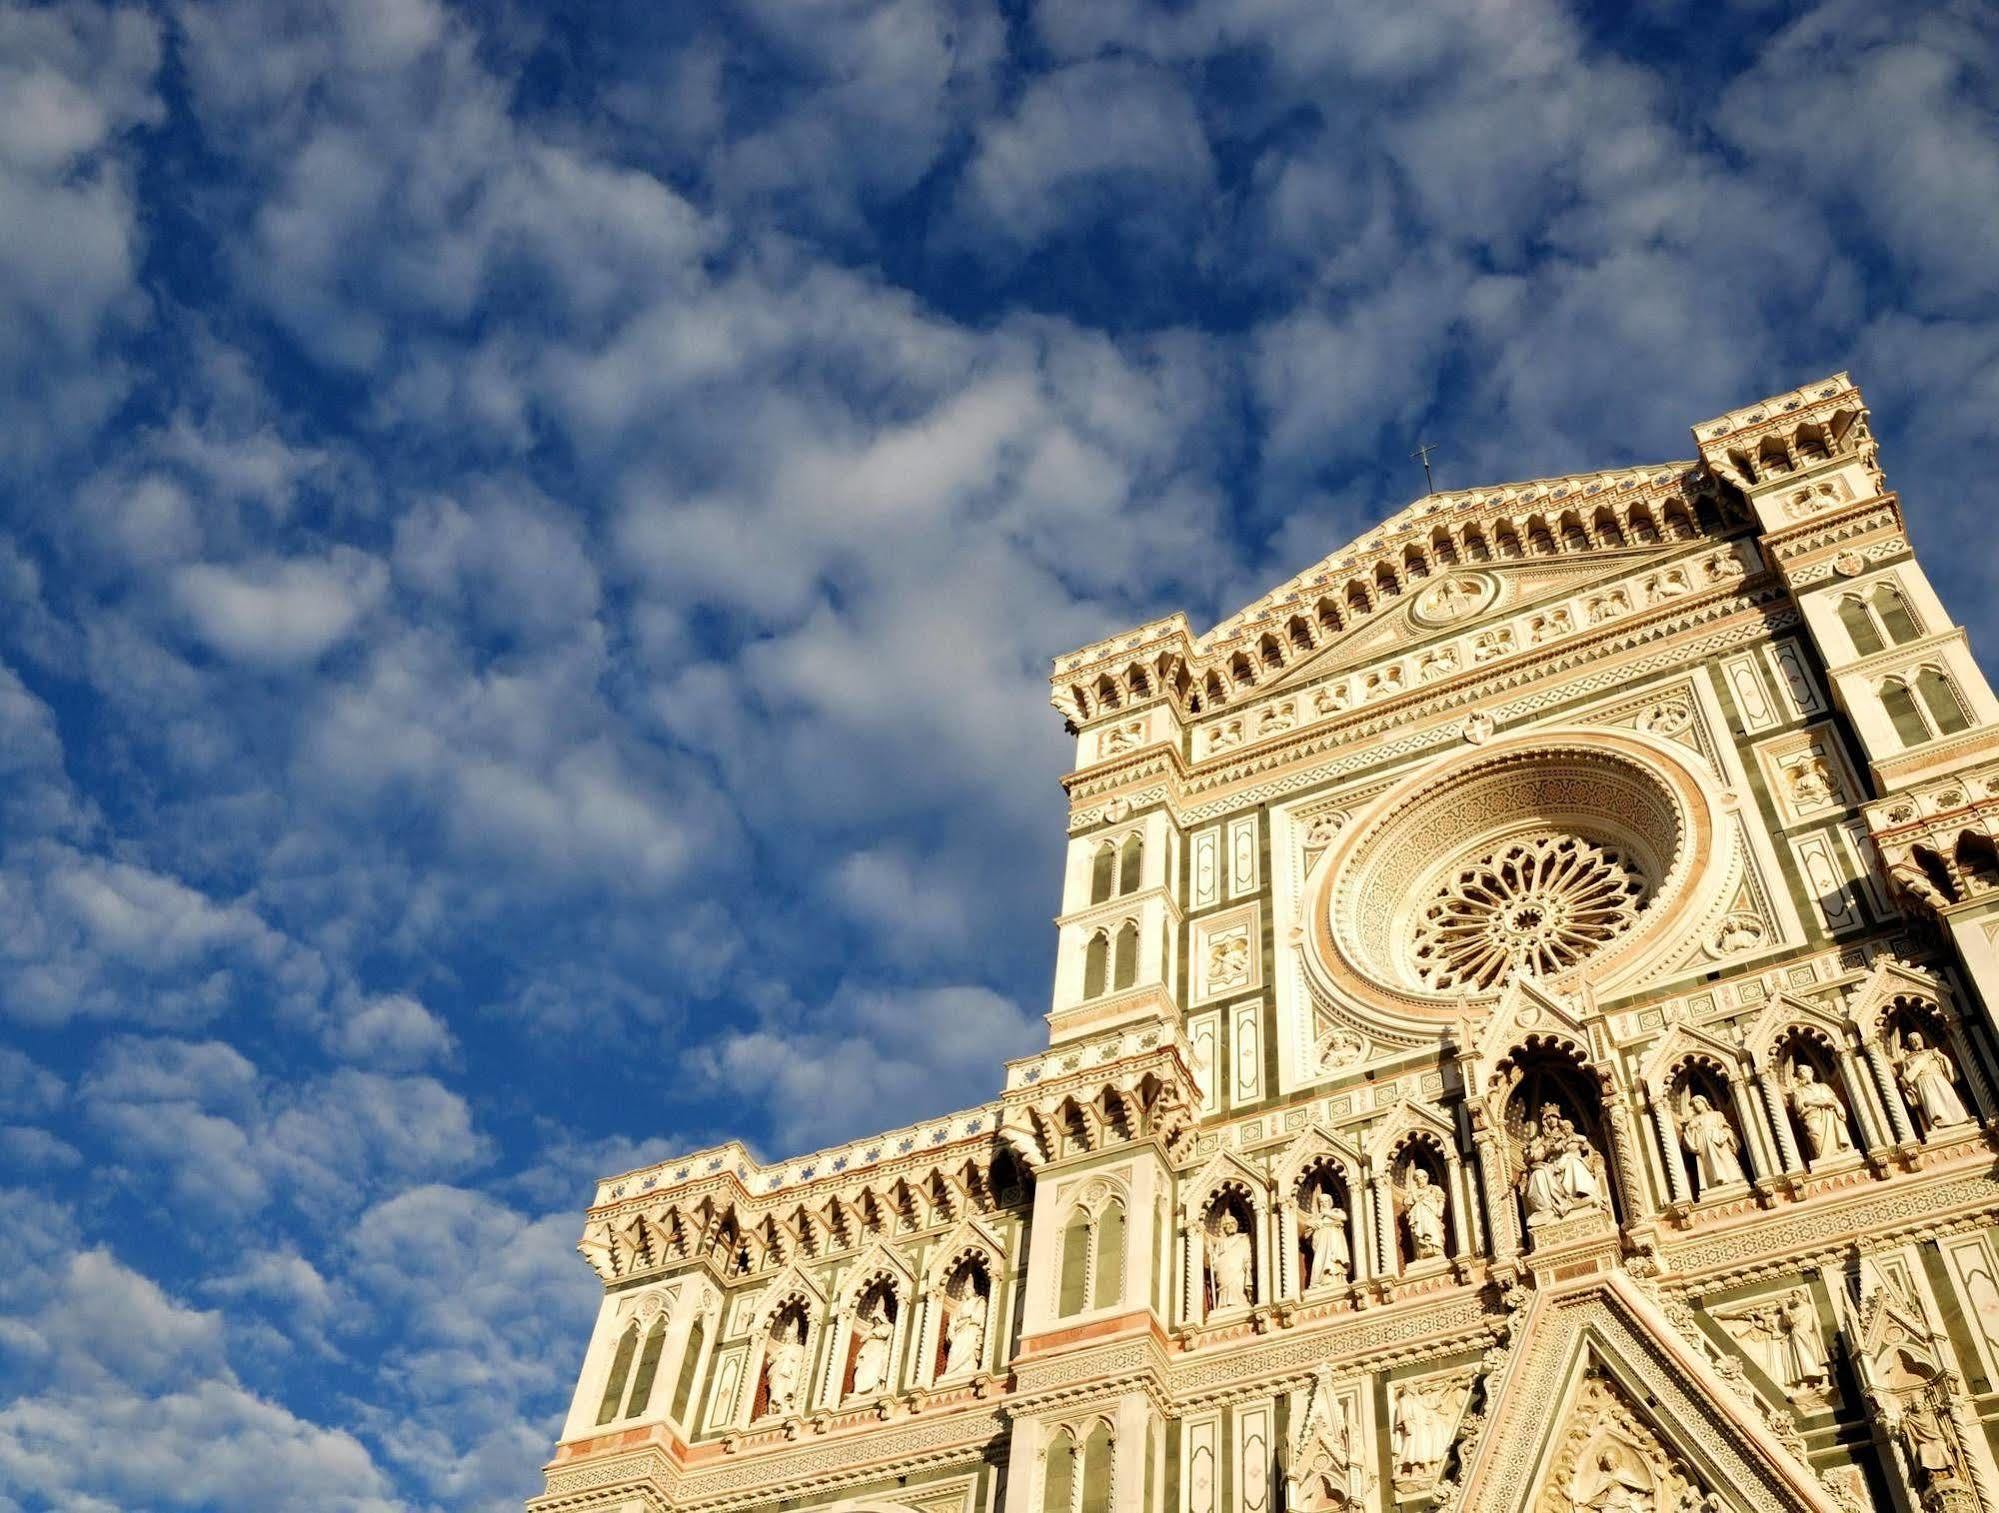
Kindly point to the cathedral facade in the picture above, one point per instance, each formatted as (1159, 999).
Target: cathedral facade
(1521, 1040)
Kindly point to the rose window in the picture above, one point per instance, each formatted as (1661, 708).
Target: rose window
(1533, 906)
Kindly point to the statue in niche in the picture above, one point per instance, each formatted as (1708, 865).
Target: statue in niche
(1563, 1173)
(1612, 1481)
(1711, 1139)
(1229, 1262)
(1420, 1432)
(874, 1329)
(1782, 1336)
(1325, 1225)
(1931, 1446)
(1819, 1110)
(1929, 1082)
(1423, 1211)
(965, 1337)
(784, 1365)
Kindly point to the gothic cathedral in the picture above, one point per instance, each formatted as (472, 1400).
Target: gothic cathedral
(1521, 1040)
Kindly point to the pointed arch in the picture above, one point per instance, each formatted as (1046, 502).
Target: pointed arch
(621, 1366)
(1124, 956)
(1859, 626)
(1102, 867)
(1940, 701)
(1911, 728)
(1131, 861)
(1893, 612)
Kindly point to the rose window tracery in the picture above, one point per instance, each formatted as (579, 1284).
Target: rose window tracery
(1535, 905)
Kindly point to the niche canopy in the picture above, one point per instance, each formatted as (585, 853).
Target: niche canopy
(1546, 857)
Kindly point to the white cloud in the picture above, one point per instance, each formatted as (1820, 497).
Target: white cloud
(279, 613)
(391, 1031)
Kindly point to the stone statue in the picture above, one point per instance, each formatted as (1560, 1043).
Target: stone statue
(1706, 1132)
(871, 1359)
(965, 1339)
(1560, 1175)
(1423, 1212)
(1326, 1228)
(1420, 1435)
(1609, 1483)
(784, 1364)
(1929, 1082)
(1819, 1110)
(1930, 1449)
(1229, 1262)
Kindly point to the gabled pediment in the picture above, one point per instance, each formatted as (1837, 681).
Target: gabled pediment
(1222, 1167)
(791, 1281)
(878, 1261)
(1678, 1043)
(1311, 1144)
(1889, 980)
(967, 1235)
(1525, 1010)
(1602, 1393)
(1405, 1118)
(1759, 1038)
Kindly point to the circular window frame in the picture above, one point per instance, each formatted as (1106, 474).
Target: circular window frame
(1656, 809)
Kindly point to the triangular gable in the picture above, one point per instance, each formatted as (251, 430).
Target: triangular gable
(1522, 586)
(1783, 1010)
(790, 1282)
(1681, 1041)
(967, 1235)
(1606, 1331)
(1220, 1167)
(1889, 980)
(1525, 1009)
(878, 1260)
(1312, 1142)
(1405, 1118)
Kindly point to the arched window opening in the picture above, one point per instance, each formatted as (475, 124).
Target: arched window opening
(1423, 1220)
(1271, 652)
(1107, 693)
(1859, 626)
(1385, 581)
(1328, 615)
(1977, 858)
(1240, 672)
(1107, 1285)
(1574, 537)
(1821, 1123)
(1058, 1475)
(870, 1341)
(1940, 699)
(621, 1366)
(1214, 687)
(1678, 526)
(1072, 1294)
(1097, 1470)
(1443, 548)
(1228, 1228)
(642, 1379)
(1540, 541)
(1894, 612)
(690, 1366)
(1102, 867)
(1096, 965)
(1910, 727)
(1357, 599)
(1608, 531)
(1715, 1155)
(1507, 543)
(1125, 958)
(1130, 861)
(1476, 549)
(1556, 1128)
(961, 1339)
(1643, 530)
(1414, 563)
(1325, 1230)
(1140, 684)
(1707, 515)
(1301, 634)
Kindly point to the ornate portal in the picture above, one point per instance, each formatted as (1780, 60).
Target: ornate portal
(1521, 1040)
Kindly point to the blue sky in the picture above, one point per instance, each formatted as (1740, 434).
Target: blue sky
(531, 546)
